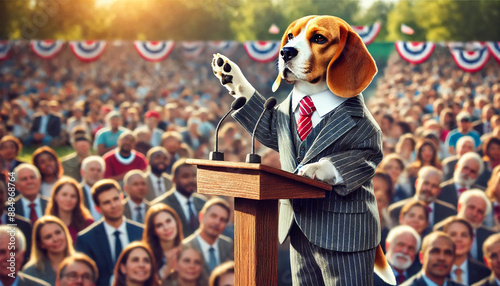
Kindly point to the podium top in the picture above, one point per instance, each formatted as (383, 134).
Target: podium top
(219, 172)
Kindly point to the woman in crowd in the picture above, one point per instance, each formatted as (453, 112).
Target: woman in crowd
(394, 165)
(10, 147)
(426, 156)
(66, 203)
(222, 275)
(491, 152)
(51, 243)
(382, 187)
(406, 147)
(416, 215)
(47, 162)
(136, 266)
(189, 270)
(493, 192)
(462, 235)
(163, 234)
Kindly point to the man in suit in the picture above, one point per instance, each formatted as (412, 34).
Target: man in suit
(469, 167)
(491, 250)
(29, 204)
(402, 244)
(12, 248)
(184, 199)
(22, 223)
(427, 190)
(135, 205)
(157, 179)
(75, 266)
(72, 163)
(92, 171)
(46, 127)
(104, 240)
(436, 256)
(208, 239)
(464, 144)
(483, 125)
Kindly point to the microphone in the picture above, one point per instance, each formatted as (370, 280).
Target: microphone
(216, 155)
(254, 158)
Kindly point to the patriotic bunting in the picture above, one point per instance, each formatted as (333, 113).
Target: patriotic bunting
(192, 50)
(46, 49)
(88, 51)
(470, 57)
(4, 50)
(368, 33)
(154, 51)
(494, 48)
(415, 52)
(262, 51)
(226, 48)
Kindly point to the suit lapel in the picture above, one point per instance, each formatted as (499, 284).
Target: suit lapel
(285, 140)
(132, 233)
(339, 122)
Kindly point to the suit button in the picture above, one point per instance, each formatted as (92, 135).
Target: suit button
(299, 159)
(297, 209)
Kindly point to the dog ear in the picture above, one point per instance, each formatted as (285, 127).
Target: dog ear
(352, 68)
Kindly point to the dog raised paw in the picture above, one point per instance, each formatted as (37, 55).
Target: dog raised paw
(231, 77)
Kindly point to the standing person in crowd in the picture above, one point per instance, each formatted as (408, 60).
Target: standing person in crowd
(402, 244)
(124, 158)
(135, 205)
(151, 118)
(51, 243)
(106, 139)
(75, 267)
(464, 128)
(464, 144)
(406, 147)
(78, 120)
(16, 277)
(163, 234)
(426, 156)
(29, 204)
(189, 271)
(223, 275)
(466, 270)
(448, 122)
(469, 167)
(184, 199)
(394, 165)
(92, 171)
(427, 190)
(66, 203)
(437, 256)
(491, 159)
(104, 241)
(416, 215)
(10, 147)
(483, 125)
(72, 163)
(208, 239)
(171, 141)
(157, 179)
(491, 250)
(46, 127)
(136, 266)
(45, 159)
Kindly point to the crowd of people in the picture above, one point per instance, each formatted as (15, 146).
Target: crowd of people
(123, 207)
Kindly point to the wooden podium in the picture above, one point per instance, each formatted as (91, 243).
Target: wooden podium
(256, 189)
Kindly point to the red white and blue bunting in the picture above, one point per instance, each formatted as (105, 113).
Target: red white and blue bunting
(494, 48)
(262, 51)
(191, 50)
(470, 57)
(368, 33)
(226, 48)
(46, 49)
(88, 51)
(415, 52)
(4, 49)
(154, 51)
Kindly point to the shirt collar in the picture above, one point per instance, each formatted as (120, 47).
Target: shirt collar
(182, 199)
(111, 230)
(429, 282)
(27, 202)
(324, 101)
(205, 247)
(133, 205)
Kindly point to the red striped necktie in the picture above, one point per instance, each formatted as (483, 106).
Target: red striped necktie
(305, 126)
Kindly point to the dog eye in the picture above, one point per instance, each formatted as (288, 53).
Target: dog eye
(319, 39)
(290, 36)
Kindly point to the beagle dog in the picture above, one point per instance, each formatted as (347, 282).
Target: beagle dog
(318, 53)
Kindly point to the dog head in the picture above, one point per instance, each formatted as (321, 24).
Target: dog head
(320, 52)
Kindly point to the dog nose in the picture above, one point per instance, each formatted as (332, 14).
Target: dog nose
(288, 53)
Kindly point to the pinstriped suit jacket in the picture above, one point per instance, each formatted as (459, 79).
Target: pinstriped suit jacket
(347, 218)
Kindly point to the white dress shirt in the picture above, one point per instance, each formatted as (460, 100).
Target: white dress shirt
(183, 202)
(110, 232)
(205, 249)
(464, 275)
(429, 281)
(133, 210)
(27, 209)
(158, 188)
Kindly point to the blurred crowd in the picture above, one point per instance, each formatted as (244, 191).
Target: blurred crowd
(123, 209)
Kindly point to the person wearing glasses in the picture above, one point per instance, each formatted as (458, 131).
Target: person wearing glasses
(77, 269)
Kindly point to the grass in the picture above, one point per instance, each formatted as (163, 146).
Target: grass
(27, 152)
